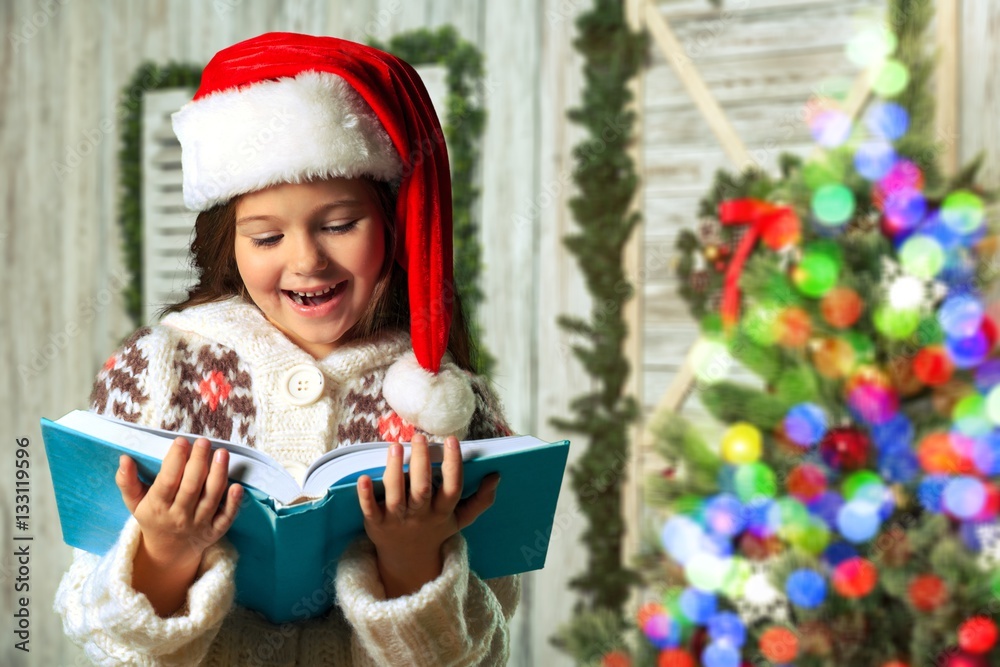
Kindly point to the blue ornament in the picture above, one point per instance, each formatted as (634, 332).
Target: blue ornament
(826, 507)
(898, 464)
(726, 626)
(721, 654)
(724, 515)
(697, 606)
(858, 521)
(986, 453)
(874, 159)
(663, 631)
(961, 315)
(806, 588)
(759, 517)
(898, 430)
(987, 375)
(887, 120)
(931, 491)
(970, 535)
(967, 352)
(805, 424)
(905, 208)
(837, 552)
(964, 496)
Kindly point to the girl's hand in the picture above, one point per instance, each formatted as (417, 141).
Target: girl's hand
(179, 516)
(411, 527)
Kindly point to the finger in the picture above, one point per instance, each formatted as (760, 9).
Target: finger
(420, 473)
(395, 484)
(369, 506)
(227, 513)
(469, 509)
(452, 473)
(214, 488)
(127, 479)
(193, 480)
(169, 478)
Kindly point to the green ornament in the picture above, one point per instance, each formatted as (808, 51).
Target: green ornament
(753, 481)
(813, 537)
(864, 348)
(833, 204)
(929, 332)
(894, 323)
(922, 256)
(816, 274)
(856, 480)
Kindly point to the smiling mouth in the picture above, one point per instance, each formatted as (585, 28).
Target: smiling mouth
(316, 298)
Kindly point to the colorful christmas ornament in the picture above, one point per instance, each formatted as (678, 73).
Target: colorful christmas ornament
(741, 443)
(927, 592)
(933, 365)
(855, 577)
(806, 588)
(794, 327)
(779, 645)
(977, 635)
(833, 358)
(675, 657)
(806, 482)
(963, 211)
(817, 271)
(845, 448)
(841, 307)
(720, 654)
(616, 659)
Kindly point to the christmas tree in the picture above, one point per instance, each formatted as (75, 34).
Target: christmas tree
(849, 515)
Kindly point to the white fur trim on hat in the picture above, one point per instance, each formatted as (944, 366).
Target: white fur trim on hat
(288, 130)
(441, 404)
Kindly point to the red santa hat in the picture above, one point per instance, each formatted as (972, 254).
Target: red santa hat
(288, 108)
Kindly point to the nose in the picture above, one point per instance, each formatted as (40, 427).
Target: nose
(309, 256)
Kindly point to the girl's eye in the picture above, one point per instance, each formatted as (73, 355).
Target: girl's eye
(266, 242)
(342, 229)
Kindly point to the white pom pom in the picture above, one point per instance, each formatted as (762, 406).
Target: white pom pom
(440, 404)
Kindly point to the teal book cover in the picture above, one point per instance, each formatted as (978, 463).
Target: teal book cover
(288, 554)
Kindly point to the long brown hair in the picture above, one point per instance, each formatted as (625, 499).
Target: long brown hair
(214, 260)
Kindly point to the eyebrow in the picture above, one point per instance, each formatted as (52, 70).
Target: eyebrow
(341, 203)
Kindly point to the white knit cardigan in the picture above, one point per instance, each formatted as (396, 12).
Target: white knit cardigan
(198, 371)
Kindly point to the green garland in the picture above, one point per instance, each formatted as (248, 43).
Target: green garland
(463, 127)
(464, 122)
(607, 182)
(148, 76)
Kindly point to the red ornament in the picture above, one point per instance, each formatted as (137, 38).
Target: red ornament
(989, 329)
(933, 365)
(841, 307)
(938, 453)
(927, 592)
(675, 657)
(845, 448)
(961, 660)
(616, 659)
(977, 635)
(760, 548)
(855, 577)
(779, 644)
(647, 611)
(991, 508)
(806, 481)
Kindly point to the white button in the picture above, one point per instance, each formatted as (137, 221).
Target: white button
(296, 470)
(302, 385)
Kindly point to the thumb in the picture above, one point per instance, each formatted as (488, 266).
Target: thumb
(127, 479)
(468, 510)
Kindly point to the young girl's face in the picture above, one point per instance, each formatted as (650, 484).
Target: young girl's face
(310, 255)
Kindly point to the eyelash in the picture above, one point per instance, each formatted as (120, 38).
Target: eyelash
(272, 241)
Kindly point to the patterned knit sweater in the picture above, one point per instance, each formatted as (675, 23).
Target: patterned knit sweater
(223, 370)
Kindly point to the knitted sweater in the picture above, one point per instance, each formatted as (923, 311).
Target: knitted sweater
(223, 370)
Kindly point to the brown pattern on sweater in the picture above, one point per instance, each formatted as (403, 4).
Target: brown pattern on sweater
(206, 400)
(488, 419)
(120, 377)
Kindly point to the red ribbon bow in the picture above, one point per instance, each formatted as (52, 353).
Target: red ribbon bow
(778, 225)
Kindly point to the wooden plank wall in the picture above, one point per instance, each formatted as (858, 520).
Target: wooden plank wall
(62, 313)
(62, 68)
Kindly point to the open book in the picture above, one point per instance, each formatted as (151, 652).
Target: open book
(290, 532)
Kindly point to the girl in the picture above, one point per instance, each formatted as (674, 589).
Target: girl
(321, 179)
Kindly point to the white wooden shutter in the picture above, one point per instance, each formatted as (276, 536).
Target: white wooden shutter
(168, 227)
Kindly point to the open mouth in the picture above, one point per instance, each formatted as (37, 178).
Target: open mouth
(310, 299)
